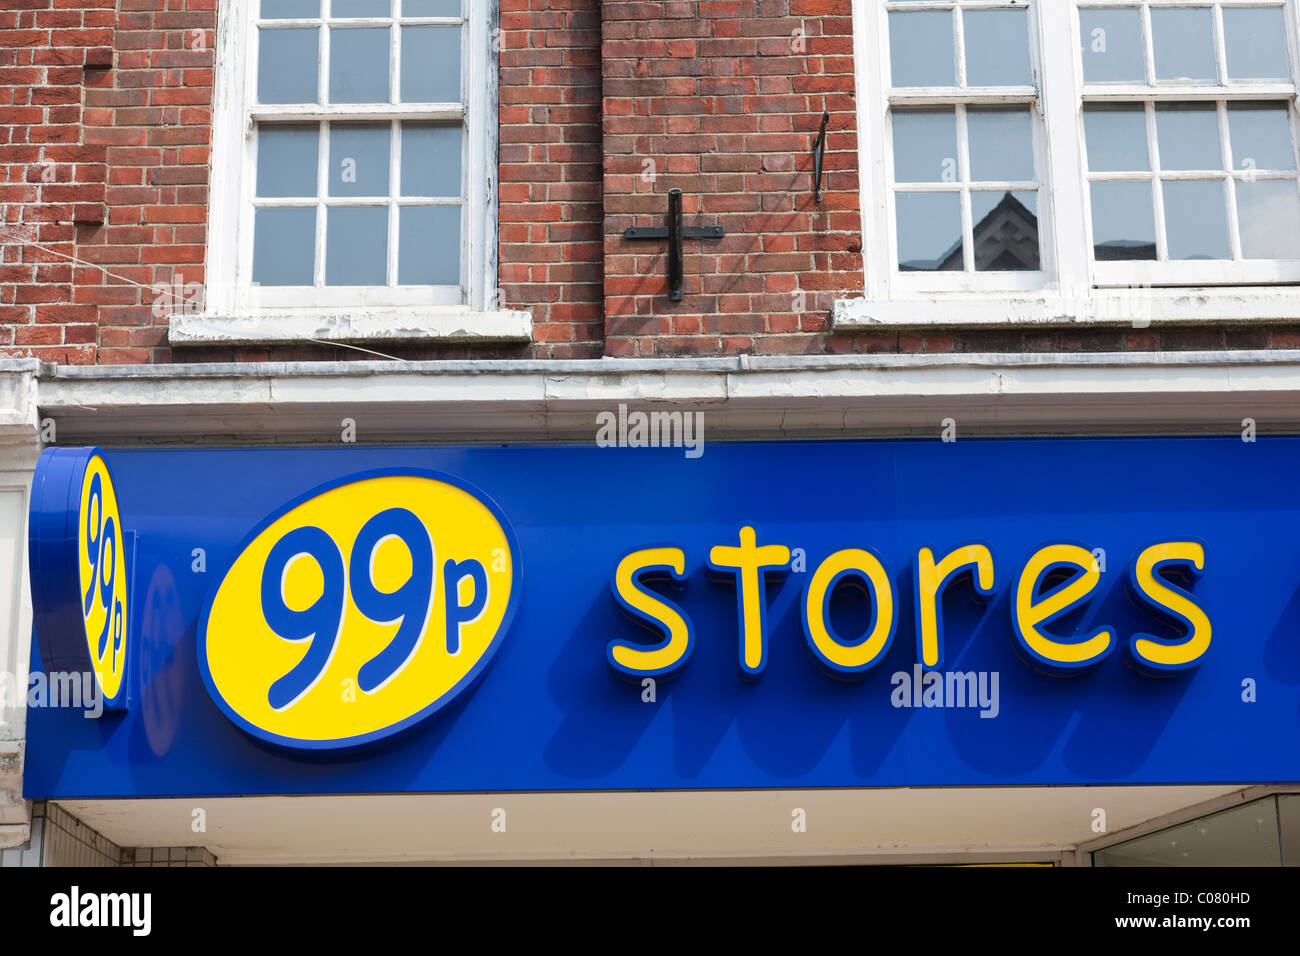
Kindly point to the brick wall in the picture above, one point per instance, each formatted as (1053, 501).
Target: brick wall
(52, 172)
(104, 151)
(722, 99)
(550, 172)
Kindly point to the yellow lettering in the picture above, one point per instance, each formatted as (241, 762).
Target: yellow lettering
(931, 578)
(857, 658)
(749, 563)
(1031, 611)
(652, 611)
(1146, 582)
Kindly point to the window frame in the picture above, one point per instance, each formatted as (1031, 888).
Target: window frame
(1071, 289)
(962, 98)
(235, 117)
(1175, 273)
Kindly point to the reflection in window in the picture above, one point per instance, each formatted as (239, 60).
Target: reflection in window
(1005, 233)
(359, 198)
(965, 171)
(967, 196)
(1211, 161)
(1180, 174)
(1288, 822)
(1260, 833)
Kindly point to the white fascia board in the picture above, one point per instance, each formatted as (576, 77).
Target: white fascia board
(19, 449)
(872, 824)
(18, 402)
(686, 385)
(1135, 308)
(431, 324)
(813, 396)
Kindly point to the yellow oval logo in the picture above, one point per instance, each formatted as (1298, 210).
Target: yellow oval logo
(360, 609)
(102, 576)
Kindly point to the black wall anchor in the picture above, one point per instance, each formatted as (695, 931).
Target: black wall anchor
(674, 232)
(819, 153)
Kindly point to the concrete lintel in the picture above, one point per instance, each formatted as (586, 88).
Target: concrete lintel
(841, 396)
(379, 326)
(1136, 308)
(18, 401)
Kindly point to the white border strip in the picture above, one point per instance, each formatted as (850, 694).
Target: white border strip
(855, 396)
(374, 325)
(1136, 308)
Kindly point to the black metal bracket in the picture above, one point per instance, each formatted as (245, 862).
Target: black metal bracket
(819, 154)
(674, 232)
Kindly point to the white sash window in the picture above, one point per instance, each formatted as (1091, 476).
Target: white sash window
(1026, 156)
(354, 157)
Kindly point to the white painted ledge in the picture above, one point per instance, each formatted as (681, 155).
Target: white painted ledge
(1135, 308)
(18, 415)
(745, 397)
(280, 327)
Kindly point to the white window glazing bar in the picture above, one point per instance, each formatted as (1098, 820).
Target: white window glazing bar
(964, 176)
(1230, 181)
(322, 177)
(1220, 45)
(959, 44)
(394, 191)
(322, 182)
(1157, 187)
(1148, 46)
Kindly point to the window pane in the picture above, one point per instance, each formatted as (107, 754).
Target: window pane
(1117, 139)
(1241, 836)
(430, 64)
(925, 146)
(1196, 220)
(1183, 38)
(359, 159)
(361, 8)
(429, 245)
(1261, 136)
(431, 160)
(929, 232)
(284, 246)
(997, 48)
(359, 65)
(1123, 221)
(1268, 213)
(1188, 137)
(1001, 145)
(430, 8)
(1005, 232)
(286, 159)
(356, 245)
(1288, 815)
(1255, 38)
(921, 49)
(290, 9)
(1112, 46)
(287, 65)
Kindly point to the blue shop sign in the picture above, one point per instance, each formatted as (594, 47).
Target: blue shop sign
(563, 617)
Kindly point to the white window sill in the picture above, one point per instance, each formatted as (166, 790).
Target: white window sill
(286, 326)
(1128, 307)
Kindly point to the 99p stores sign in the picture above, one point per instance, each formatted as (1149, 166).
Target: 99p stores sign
(349, 614)
(367, 604)
(257, 616)
(359, 609)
